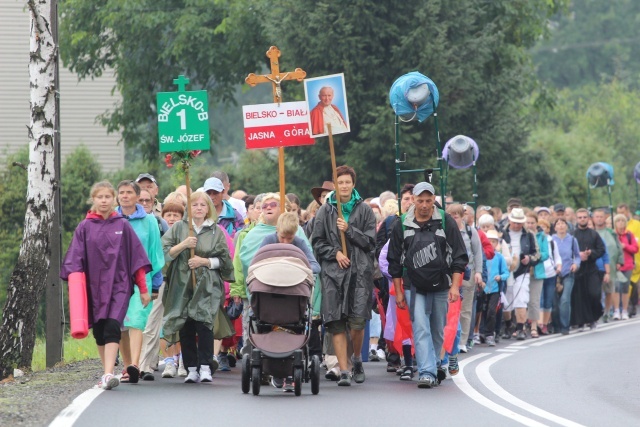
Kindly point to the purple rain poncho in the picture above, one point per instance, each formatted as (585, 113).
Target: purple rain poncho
(109, 253)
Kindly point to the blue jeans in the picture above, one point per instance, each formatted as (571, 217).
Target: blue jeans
(565, 302)
(548, 288)
(428, 321)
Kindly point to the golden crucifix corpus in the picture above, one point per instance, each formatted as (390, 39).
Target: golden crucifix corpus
(276, 78)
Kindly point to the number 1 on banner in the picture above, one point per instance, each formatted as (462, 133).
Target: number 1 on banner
(183, 118)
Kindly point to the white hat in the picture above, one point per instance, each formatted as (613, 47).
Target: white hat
(213, 184)
(517, 216)
(493, 234)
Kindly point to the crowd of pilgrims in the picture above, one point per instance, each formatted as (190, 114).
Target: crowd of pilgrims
(530, 272)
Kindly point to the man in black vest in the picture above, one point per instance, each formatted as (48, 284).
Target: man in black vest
(433, 238)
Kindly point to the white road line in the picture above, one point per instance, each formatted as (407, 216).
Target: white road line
(484, 375)
(506, 350)
(71, 413)
(578, 334)
(472, 393)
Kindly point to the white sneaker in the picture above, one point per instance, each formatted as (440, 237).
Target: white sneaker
(109, 382)
(181, 371)
(193, 376)
(462, 348)
(616, 315)
(205, 374)
(381, 354)
(170, 370)
(625, 315)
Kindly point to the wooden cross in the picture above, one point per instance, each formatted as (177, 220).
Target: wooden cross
(276, 78)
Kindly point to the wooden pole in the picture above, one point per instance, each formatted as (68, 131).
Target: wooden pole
(281, 175)
(343, 239)
(190, 219)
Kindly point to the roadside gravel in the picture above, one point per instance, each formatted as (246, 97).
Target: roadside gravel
(35, 399)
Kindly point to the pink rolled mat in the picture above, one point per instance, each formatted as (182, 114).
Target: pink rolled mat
(78, 308)
(451, 328)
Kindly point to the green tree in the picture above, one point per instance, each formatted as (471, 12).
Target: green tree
(13, 187)
(475, 51)
(79, 172)
(149, 43)
(597, 40)
(580, 131)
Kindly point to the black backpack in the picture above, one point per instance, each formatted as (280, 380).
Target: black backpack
(426, 258)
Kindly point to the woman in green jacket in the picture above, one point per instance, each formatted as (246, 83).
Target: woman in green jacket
(191, 310)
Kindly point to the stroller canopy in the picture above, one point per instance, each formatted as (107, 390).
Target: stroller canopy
(280, 268)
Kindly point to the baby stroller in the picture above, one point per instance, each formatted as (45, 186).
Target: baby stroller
(280, 282)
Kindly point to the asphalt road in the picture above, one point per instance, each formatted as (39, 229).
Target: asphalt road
(584, 379)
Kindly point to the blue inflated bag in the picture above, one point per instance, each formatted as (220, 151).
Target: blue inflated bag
(410, 85)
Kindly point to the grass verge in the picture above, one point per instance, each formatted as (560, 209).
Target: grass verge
(74, 350)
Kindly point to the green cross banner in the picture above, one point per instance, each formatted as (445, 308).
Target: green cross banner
(183, 119)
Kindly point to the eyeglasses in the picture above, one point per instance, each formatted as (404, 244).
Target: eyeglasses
(270, 205)
(145, 201)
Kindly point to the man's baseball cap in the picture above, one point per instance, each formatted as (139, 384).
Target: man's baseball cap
(146, 176)
(559, 207)
(213, 184)
(422, 187)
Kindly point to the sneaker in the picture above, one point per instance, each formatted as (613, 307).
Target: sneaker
(289, 385)
(616, 315)
(543, 330)
(407, 374)
(462, 348)
(565, 332)
(491, 342)
(134, 374)
(345, 380)
(192, 376)
(625, 315)
(426, 381)
(147, 376)
(205, 374)
(521, 335)
(108, 382)
(497, 338)
(381, 354)
(580, 328)
(277, 382)
(392, 368)
(333, 374)
(470, 344)
(593, 325)
(373, 356)
(231, 358)
(358, 372)
(441, 374)
(223, 362)
(170, 370)
(476, 339)
(453, 365)
(181, 371)
(214, 365)
(605, 318)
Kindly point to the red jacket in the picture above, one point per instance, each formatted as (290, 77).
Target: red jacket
(629, 248)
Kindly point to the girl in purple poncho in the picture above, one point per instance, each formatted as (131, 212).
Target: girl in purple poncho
(106, 249)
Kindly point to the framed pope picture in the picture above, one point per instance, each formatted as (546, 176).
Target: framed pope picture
(327, 100)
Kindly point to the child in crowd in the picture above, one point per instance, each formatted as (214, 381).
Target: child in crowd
(498, 274)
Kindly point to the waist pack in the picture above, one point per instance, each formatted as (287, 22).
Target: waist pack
(427, 257)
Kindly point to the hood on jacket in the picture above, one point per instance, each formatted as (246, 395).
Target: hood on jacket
(138, 214)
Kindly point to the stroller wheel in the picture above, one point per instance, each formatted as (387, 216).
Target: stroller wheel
(315, 374)
(256, 375)
(297, 381)
(246, 373)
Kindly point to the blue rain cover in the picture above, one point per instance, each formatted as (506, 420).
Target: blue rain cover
(600, 175)
(398, 93)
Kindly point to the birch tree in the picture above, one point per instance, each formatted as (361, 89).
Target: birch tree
(28, 281)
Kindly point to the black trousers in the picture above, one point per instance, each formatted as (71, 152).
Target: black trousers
(490, 308)
(200, 353)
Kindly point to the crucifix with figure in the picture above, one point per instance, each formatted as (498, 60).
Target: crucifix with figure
(276, 78)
